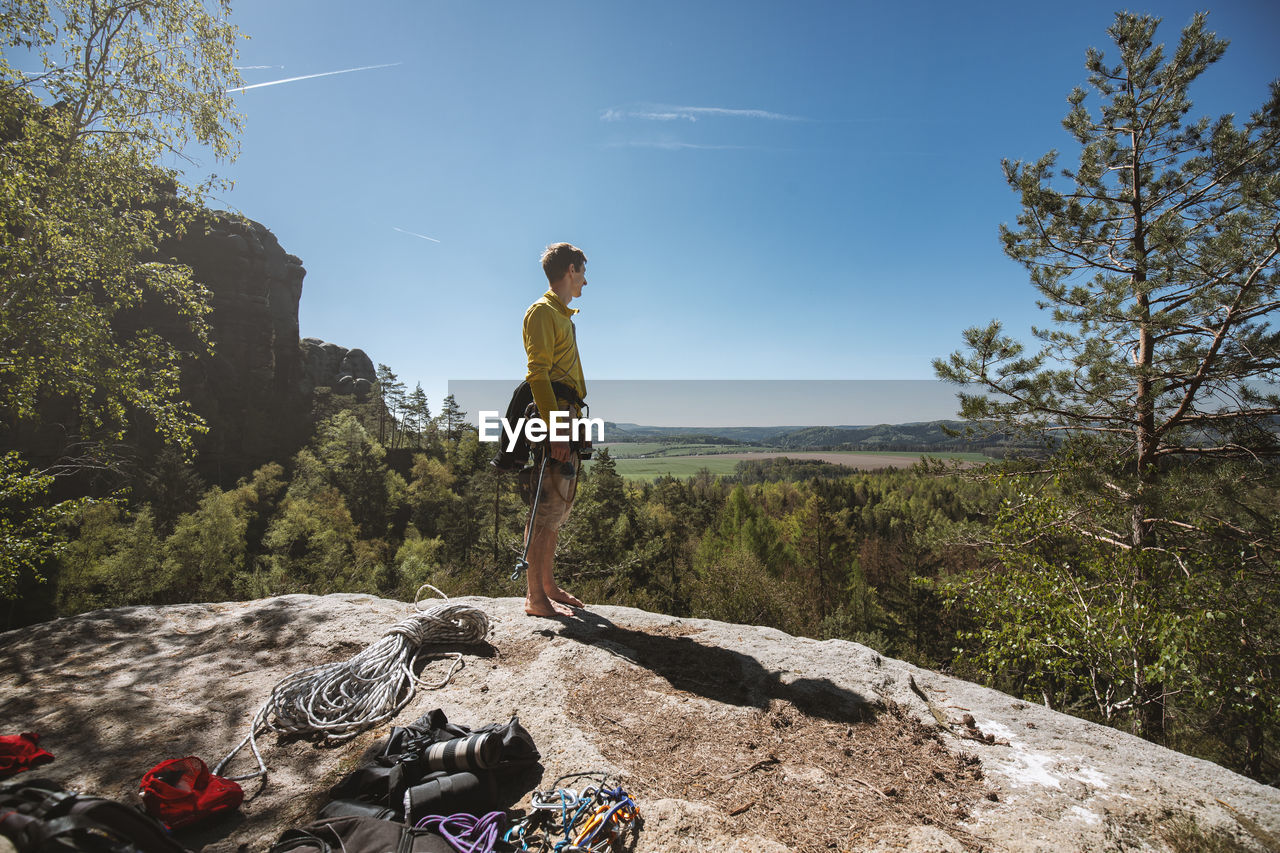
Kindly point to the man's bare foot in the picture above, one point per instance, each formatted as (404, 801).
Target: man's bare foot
(564, 597)
(549, 609)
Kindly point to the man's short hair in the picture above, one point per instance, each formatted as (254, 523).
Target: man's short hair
(557, 259)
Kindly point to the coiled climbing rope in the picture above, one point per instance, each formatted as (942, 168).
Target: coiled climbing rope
(468, 833)
(340, 700)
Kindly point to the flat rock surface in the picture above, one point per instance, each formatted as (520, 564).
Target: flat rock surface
(731, 738)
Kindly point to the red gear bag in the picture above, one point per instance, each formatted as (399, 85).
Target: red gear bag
(21, 752)
(182, 791)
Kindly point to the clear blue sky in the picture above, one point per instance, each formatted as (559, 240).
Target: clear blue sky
(764, 190)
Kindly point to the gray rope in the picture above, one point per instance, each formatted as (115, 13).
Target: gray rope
(340, 700)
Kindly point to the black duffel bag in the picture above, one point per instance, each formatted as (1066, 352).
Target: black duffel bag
(432, 747)
(38, 816)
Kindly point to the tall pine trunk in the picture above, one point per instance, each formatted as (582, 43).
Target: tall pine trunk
(1151, 706)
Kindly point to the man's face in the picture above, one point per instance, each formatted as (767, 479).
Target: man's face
(577, 280)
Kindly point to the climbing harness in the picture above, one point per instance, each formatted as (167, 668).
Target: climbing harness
(562, 820)
(511, 459)
(522, 564)
(340, 700)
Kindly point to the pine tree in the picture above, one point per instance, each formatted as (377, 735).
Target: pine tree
(417, 415)
(451, 418)
(1158, 257)
(392, 398)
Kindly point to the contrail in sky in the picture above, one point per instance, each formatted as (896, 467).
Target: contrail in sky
(416, 234)
(663, 112)
(309, 76)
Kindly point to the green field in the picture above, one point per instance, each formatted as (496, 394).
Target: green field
(684, 464)
(676, 466)
(914, 454)
(636, 449)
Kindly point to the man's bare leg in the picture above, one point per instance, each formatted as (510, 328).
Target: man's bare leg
(552, 589)
(542, 550)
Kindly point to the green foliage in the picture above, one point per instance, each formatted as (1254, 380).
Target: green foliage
(417, 419)
(432, 501)
(1059, 619)
(745, 527)
(120, 557)
(733, 584)
(674, 466)
(310, 547)
(205, 556)
(85, 209)
(600, 532)
(451, 418)
(113, 562)
(1127, 637)
(417, 562)
(351, 461)
(328, 534)
(1136, 578)
(394, 403)
(1230, 702)
(30, 533)
(170, 485)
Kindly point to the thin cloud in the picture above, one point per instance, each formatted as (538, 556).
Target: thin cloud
(414, 234)
(663, 112)
(623, 115)
(311, 76)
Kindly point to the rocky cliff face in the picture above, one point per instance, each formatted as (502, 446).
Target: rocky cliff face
(731, 737)
(346, 371)
(250, 390)
(255, 390)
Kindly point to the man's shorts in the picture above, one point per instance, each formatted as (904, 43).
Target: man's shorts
(559, 487)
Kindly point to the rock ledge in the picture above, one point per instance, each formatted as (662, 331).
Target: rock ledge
(733, 738)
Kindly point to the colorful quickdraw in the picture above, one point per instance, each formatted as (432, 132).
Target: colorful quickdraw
(565, 821)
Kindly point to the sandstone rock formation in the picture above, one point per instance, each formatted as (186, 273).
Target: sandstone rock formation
(346, 371)
(733, 738)
(255, 390)
(250, 391)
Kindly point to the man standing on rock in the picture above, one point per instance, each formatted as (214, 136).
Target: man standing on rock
(551, 344)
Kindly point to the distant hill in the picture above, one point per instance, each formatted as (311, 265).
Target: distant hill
(924, 436)
(723, 435)
(931, 435)
(917, 437)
